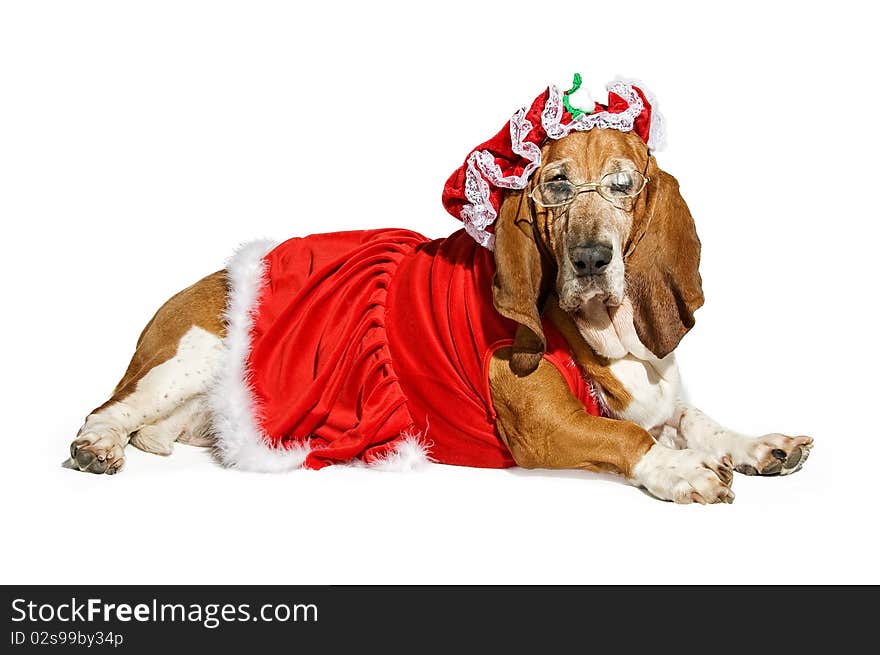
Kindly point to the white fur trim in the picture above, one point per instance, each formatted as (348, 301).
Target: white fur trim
(409, 454)
(240, 443)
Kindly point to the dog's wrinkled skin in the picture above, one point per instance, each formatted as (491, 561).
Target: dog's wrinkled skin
(622, 325)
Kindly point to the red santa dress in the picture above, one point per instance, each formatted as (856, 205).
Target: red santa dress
(368, 347)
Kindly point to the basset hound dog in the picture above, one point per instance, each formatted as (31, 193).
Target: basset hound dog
(553, 349)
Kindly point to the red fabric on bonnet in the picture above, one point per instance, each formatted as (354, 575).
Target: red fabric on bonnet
(362, 336)
(501, 147)
(642, 123)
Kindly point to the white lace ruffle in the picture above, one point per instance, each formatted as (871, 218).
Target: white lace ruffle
(479, 213)
(657, 134)
(551, 118)
(482, 170)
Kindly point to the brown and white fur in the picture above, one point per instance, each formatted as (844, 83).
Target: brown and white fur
(621, 325)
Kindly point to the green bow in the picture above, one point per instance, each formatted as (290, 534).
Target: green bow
(575, 85)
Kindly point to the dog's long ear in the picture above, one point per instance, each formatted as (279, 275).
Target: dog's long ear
(518, 277)
(662, 267)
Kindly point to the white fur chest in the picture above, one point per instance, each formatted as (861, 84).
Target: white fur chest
(653, 385)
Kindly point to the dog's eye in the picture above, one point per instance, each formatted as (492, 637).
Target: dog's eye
(554, 193)
(621, 182)
(557, 177)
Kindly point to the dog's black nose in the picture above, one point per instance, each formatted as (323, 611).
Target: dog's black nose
(591, 258)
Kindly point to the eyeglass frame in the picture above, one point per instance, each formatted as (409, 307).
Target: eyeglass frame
(586, 187)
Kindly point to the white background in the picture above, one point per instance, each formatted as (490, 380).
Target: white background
(140, 143)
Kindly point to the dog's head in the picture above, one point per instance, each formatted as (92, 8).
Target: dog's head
(597, 246)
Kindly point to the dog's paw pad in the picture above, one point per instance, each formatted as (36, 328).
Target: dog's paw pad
(775, 454)
(95, 453)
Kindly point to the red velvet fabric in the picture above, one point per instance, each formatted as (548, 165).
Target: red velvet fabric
(360, 337)
(642, 123)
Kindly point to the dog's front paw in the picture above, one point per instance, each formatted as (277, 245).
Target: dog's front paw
(684, 476)
(95, 452)
(772, 454)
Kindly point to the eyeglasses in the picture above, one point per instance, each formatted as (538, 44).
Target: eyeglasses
(620, 188)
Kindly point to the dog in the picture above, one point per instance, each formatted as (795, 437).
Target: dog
(554, 349)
